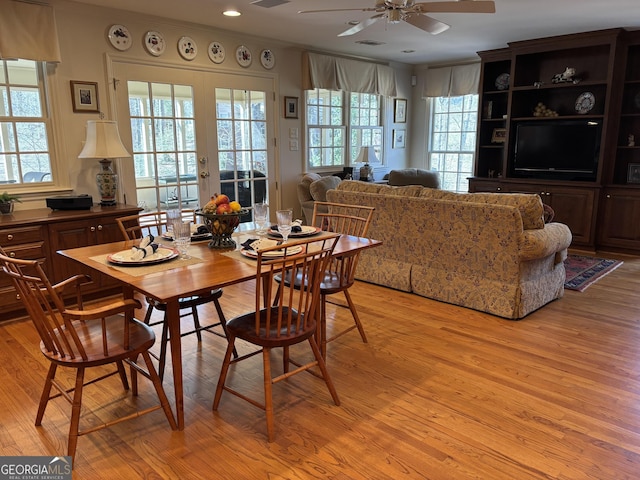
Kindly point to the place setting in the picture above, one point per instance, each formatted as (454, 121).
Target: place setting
(283, 229)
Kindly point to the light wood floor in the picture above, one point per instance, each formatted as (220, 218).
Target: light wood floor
(439, 392)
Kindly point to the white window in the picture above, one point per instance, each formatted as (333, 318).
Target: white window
(25, 130)
(452, 139)
(338, 124)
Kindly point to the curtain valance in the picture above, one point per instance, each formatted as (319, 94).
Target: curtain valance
(335, 73)
(28, 31)
(452, 81)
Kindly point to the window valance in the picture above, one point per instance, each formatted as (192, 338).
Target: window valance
(452, 81)
(335, 73)
(28, 31)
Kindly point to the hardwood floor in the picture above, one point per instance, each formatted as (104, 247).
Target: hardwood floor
(439, 392)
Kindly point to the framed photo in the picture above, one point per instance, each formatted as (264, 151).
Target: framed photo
(499, 135)
(399, 138)
(290, 107)
(400, 110)
(84, 96)
(633, 173)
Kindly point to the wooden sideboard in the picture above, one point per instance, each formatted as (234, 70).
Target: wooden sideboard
(40, 233)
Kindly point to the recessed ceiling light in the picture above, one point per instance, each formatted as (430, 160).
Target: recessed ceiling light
(353, 22)
(231, 13)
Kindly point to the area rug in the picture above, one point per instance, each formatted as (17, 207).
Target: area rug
(584, 271)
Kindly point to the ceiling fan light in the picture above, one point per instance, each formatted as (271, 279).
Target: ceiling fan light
(231, 13)
(395, 16)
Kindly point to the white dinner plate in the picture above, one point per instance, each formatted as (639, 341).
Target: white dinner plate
(163, 254)
(272, 254)
(307, 231)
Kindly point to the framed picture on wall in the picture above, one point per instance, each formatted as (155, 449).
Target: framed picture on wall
(400, 110)
(290, 107)
(84, 97)
(399, 138)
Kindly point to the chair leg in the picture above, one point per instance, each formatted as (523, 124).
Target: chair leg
(164, 340)
(196, 322)
(46, 393)
(162, 396)
(285, 359)
(324, 371)
(75, 413)
(147, 315)
(223, 372)
(223, 323)
(268, 401)
(123, 375)
(134, 377)
(352, 307)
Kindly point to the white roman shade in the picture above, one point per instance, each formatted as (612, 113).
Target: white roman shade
(28, 31)
(452, 81)
(336, 73)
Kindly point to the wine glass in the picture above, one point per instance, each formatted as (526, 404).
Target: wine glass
(284, 218)
(260, 211)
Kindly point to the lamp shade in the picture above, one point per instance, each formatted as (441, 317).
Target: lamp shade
(103, 141)
(367, 155)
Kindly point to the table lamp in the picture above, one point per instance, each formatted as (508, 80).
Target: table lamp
(367, 155)
(103, 142)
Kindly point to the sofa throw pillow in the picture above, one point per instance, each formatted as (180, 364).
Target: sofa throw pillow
(320, 187)
(364, 187)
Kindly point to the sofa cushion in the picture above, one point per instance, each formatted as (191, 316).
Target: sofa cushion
(357, 186)
(304, 195)
(414, 176)
(319, 188)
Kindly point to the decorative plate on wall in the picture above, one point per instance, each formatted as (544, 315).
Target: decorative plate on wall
(187, 48)
(243, 56)
(267, 59)
(119, 37)
(216, 52)
(585, 102)
(154, 43)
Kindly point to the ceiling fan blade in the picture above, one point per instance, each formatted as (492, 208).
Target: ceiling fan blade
(361, 26)
(462, 6)
(428, 24)
(340, 10)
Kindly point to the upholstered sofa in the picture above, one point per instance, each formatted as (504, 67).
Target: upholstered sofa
(414, 176)
(485, 251)
(313, 188)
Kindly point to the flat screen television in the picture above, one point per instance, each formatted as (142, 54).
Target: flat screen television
(557, 149)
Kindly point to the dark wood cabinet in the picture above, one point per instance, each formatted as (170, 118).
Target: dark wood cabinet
(600, 208)
(40, 233)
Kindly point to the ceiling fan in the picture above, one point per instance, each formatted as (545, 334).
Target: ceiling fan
(395, 11)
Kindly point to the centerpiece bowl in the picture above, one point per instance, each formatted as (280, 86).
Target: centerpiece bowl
(221, 227)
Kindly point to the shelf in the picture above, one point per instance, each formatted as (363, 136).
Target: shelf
(554, 86)
(492, 146)
(560, 117)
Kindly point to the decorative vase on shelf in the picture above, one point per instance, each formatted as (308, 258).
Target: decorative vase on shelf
(107, 183)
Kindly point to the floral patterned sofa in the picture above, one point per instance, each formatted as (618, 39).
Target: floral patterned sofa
(491, 252)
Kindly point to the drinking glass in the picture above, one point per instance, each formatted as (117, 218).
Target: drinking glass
(284, 217)
(173, 215)
(182, 238)
(260, 211)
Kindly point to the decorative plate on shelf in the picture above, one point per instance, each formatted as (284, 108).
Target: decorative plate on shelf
(585, 102)
(119, 37)
(187, 48)
(154, 43)
(267, 59)
(216, 52)
(243, 56)
(502, 82)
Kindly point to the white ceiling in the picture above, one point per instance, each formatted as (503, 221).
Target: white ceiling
(514, 20)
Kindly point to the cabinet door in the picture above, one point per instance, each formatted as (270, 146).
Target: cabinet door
(482, 185)
(617, 230)
(573, 206)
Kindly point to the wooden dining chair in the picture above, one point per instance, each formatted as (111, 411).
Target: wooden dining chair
(340, 274)
(282, 317)
(80, 338)
(155, 223)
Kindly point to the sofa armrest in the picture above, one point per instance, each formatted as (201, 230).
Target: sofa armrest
(553, 238)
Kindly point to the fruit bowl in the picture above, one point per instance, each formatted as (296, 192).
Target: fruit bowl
(221, 227)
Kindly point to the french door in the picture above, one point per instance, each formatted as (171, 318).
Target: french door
(194, 134)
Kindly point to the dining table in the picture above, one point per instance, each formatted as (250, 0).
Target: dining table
(168, 281)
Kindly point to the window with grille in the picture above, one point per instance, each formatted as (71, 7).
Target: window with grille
(25, 130)
(338, 124)
(452, 139)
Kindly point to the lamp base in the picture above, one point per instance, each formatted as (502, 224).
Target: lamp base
(107, 183)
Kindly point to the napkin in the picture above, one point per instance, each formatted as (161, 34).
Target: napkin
(259, 243)
(296, 226)
(146, 248)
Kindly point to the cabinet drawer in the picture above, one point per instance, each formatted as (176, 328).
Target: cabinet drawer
(19, 235)
(32, 251)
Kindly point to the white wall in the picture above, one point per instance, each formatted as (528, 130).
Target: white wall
(86, 56)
